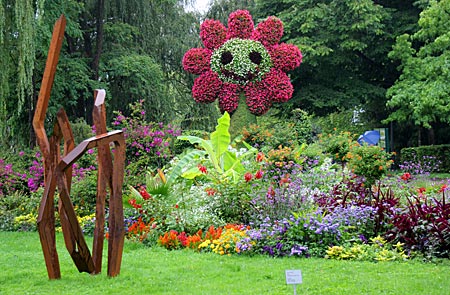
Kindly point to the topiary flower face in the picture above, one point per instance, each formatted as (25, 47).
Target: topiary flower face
(242, 59)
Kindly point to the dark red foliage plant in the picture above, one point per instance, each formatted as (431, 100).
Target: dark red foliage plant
(424, 226)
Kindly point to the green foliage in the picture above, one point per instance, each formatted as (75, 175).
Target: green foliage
(337, 144)
(271, 132)
(339, 121)
(225, 163)
(421, 93)
(378, 250)
(84, 193)
(18, 211)
(81, 131)
(136, 77)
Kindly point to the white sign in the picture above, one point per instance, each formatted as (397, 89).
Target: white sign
(293, 277)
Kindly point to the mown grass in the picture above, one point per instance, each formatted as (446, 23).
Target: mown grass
(158, 271)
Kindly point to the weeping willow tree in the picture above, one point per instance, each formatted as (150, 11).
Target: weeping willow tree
(18, 20)
(131, 48)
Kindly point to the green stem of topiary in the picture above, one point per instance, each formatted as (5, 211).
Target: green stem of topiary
(241, 118)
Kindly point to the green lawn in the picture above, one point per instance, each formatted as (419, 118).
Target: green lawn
(157, 271)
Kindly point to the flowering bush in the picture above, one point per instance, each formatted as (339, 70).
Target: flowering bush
(148, 144)
(370, 162)
(242, 59)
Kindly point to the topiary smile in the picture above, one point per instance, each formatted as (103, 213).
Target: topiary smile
(241, 61)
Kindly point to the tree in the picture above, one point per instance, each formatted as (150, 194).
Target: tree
(422, 92)
(345, 45)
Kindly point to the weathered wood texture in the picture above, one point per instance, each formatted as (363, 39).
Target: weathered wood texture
(58, 174)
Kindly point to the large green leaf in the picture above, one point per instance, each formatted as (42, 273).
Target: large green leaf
(185, 161)
(220, 138)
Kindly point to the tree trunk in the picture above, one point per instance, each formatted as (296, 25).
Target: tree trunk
(431, 136)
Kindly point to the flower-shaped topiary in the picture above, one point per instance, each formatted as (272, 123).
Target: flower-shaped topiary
(242, 59)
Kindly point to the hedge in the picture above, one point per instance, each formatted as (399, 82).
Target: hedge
(439, 152)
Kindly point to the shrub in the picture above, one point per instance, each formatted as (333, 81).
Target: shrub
(424, 226)
(149, 145)
(337, 144)
(439, 153)
(377, 250)
(370, 162)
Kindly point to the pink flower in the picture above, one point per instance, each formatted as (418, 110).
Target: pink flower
(240, 25)
(286, 57)
(213, 33)
(229, 97)
(206, 87)
(196, 60)
(269, 32)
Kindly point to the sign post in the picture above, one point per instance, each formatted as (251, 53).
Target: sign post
(294, 277)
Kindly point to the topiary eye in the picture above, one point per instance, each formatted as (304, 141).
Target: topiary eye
(226, 57)
(255, 57)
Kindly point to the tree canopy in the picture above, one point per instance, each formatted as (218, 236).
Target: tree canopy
(422, 92)
(354, 53)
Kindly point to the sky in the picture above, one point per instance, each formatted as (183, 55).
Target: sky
(201, 5)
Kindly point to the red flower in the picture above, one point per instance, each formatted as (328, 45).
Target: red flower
(259, 174)
(248, 176)
(229, 97)
(240, 25)
(145, 195)
(285, 179)
(443, 188)
(406, 176)
(286, 57)
(176, 206)
(269, 32)
(210, 191)
(260, 157)
(202, 169)
(206, 87)
(421, 190)
(133, 203)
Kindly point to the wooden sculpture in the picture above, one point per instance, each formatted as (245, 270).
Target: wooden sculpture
(58, 174)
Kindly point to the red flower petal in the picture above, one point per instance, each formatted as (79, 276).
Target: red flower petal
(286, 57)
(269, 31)
(197, 60)
(213, 33)
(206, 87)
(279, 85)
(229, 97)
(257, 98)
(240, 25)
